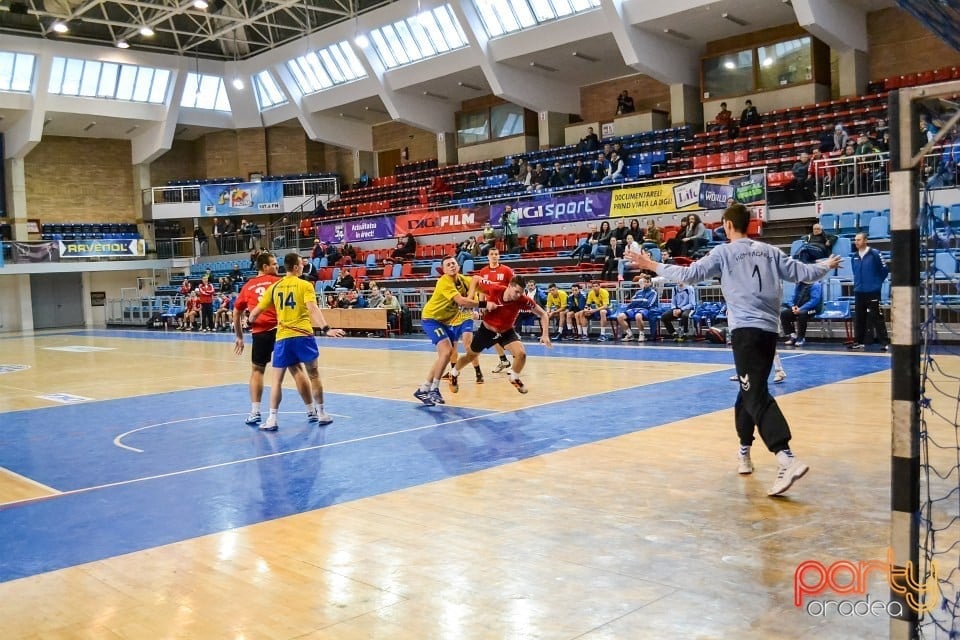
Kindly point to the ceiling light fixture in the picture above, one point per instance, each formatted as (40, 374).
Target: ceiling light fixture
(438, 96)
(200, 4)
(729, 64)
(46, 122)
(466, 85)
(676, 34)
(238, 84)
(376, 110)
(585, 57)
(146, 31)
(543, 67)
(123, 44)
(734, 19)
(350, 116)
(362, 41)
(90, 126)
(60, 27)
(131, 129)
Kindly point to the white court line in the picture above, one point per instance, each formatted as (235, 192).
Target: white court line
(117, 440)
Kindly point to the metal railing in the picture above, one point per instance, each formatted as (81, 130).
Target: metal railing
(291, 189)
(847, 175)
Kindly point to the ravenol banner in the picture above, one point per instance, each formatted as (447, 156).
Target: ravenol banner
(694, 195)
(583, 206)
(240, 199)
(373, 228)
(103, 248)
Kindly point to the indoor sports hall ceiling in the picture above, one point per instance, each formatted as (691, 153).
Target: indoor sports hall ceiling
(221, 29)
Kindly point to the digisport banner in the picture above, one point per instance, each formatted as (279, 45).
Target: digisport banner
(239, 199)
(374, 228)
(423, 222)
(694, 195)
(103, 248)
(583, 206)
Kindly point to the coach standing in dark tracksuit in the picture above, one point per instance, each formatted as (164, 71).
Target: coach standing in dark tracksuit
(869, 272)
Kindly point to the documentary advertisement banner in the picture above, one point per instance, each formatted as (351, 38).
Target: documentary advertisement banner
(103, 248)
(34, 252)
(374, 228)
(693, 195)
(583, 206)
(423, 222)
(239, 199)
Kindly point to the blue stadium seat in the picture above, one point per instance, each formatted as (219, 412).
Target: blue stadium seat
(879, 228)
(828, 221)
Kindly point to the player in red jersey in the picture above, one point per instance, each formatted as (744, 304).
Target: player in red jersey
(500, 274)
(264, 330)
(205, 292)
(504, 304)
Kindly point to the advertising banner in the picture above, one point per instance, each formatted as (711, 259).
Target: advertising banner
(423, 222)
(103, 248)
(693, 195)
(239, 199)
(576, 208)
(34, 252)
(374, 228)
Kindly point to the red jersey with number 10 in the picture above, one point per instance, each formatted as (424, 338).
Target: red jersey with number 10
(505, 315)
(500, 274)
(250, 296)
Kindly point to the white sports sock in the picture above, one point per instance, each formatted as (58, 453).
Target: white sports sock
(254, 407)
(785, 457)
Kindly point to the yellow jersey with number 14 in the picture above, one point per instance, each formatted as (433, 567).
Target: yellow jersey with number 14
(442, 307)
(289, 296)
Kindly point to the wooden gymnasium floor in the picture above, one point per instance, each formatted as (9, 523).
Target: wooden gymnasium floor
(134, 502)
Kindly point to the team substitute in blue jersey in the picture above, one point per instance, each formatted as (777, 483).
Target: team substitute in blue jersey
(751, 277)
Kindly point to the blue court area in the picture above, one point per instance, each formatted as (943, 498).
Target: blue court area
(140, 472)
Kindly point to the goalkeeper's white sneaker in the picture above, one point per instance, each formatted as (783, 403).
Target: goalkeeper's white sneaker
(744, 464)
(779, 376)
(787, 475)
(323, 419)
(253, 419)
(270, 424)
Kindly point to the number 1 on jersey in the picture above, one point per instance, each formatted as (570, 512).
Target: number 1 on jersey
(289, 301)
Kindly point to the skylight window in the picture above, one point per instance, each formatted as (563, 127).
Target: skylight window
(205, 92)
(501, 17)
(107, 80)
(16, 71)
(268, 93)
(316, 71)
(423, 36)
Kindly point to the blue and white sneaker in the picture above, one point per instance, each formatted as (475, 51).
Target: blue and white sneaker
(424, 397)
(253, 419)
(436, 398)
(312, 416)
(323, 419)
(270, 424)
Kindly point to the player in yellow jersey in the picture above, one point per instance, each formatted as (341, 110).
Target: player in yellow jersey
(296, 349)
(444, 322)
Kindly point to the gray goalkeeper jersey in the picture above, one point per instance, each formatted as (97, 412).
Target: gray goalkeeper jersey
(751, 277)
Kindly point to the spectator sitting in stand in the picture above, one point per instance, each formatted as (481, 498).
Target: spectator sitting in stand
(614, 170)
(694, 237)
(586, 244)
(674, 246)
(589, 142)
(374, 296)
(625, 103)
(840, 137)
(558, 179)
(345, 280)
(724, 119)
(817, 245)
(489, 236)
(364, 180)
(538, 178)
(406, 247)
(652, 232)
(806, 303)
(749, 115)
(581, 173)
(309, 272)
(318, 249)
(598, 170)
(467, 250)
(802, 186)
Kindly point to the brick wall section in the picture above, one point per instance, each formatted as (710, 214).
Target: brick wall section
(316, 156)
(286, 150)
(421, 144)
(340, 160)
(900, 45)
(180, 163)
(80, 180)
(252, 152)
(598, 102)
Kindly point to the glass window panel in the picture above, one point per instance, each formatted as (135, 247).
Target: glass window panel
(784, 63)
(158, 92)
(582, 5)
(6, 70)
(561, 7)
(508, 16)
(341, 63)
(223, 102)
(542, 10)
(141, 89)
(729, 74)
(432, 34)
(524, 15)
(108, 80)
(207, 95)
(270, 94)
(190, 89)
(473, 128)
(506, 120)
(331, 67)
(301, 78)
(128, 77)
(380, 44)
(419, 33)
(452, 32)
(490, 18)
(90, 78)
(315, 68)
(71, 77)
(23, 72)
(410, 46)
(356, 68)
(396, 48)
(56, 75)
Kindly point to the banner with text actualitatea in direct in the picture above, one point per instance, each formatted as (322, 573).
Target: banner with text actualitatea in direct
(692, 195)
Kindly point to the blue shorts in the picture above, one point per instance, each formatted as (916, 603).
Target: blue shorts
(292, 351)
(438, 332)
(644, 313)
